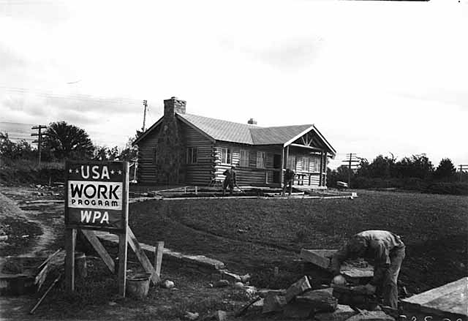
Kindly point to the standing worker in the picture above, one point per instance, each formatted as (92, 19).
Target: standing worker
(387, 252)
(288, 179)
(230, 179)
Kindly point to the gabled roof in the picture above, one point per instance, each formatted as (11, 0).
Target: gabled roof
(222, 130)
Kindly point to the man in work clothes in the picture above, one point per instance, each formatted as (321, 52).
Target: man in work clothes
(387, 252)
(288, 179)
(230, 179)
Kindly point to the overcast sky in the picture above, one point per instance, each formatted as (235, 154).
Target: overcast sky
(374, 77)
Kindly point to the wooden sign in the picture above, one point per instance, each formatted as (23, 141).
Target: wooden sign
(96, 198)
(96, 195)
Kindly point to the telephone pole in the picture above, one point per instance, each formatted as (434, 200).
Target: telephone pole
(145, 105)
(39, 135)
(463, 168)
(351, 159)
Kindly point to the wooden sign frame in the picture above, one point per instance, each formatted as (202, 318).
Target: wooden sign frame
(96, 198)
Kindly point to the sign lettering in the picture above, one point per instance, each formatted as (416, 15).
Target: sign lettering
(95, 195)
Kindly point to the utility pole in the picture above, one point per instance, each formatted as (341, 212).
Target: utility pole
(39, 139)
(351, 159)
(145, 105)
(463, 168)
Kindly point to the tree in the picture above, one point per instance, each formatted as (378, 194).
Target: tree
(14, 151)
(382, 167)
(63, 141)
(446, 170)
(418, 166)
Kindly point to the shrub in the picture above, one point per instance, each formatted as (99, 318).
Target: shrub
(447, 188)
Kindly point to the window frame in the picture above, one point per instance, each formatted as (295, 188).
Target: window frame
(261, 159)
(244, 158)
(226, 155)
(192, 155)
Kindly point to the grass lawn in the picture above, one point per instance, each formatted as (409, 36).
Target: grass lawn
(255, 235)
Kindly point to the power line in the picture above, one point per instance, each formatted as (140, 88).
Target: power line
(101, 99)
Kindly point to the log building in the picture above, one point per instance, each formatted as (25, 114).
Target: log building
(187, 149)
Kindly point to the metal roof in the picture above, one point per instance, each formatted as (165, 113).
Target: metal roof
(223, 130)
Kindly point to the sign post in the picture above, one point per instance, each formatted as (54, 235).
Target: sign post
(96, 199)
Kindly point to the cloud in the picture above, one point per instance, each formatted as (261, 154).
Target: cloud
(292, 55)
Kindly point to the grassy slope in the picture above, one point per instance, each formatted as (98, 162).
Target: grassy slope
(254, 235)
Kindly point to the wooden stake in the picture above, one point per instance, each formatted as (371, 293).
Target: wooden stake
(123, 248)
(158, 254)
(45, 294)
(70, 243)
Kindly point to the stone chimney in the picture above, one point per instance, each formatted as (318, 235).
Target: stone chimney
(174, 105)
(252, 121)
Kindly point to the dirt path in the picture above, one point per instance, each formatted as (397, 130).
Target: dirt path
(32, 206)
(31, 222)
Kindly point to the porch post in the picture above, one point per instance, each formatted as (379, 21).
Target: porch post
(324, 183)
(282, 167)
(321, 170)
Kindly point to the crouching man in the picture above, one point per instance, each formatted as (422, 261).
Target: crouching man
(387, 252)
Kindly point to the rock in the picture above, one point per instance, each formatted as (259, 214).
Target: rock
(191, 316)
(219, 315)
(319, 300)
(339, 280)
(167, 284)
(250, 290)
(297, 288)
(239, 285)
(297, 310)
(231, 276)
(245, 278)
(371, 316)
(221, 283)
(264, 292)
(342, 313)
(273, 303)
(321, 258)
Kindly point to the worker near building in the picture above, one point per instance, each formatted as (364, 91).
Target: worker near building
(230, 180)
(386, 251)
(288, 180)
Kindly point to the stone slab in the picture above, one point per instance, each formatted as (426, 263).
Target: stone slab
(342, 313)
(297, 288)
(451, 298)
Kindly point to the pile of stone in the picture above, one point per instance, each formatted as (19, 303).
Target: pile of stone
(300, 301)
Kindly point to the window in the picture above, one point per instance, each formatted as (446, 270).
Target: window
(305, 164)
(244, 158)
(192, 155)
(225, 156)
(315, 164)
(261, 159)
(291, 163)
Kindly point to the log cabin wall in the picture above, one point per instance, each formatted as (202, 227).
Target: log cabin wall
(199, 157)
(255, 165)
(146, 173)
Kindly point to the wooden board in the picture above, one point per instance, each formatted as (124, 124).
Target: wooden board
(451, 298)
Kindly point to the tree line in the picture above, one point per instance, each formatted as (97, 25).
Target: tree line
(62, 141)
(413, 173)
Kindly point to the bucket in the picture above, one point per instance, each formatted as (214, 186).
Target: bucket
(81, 270)
(138, 285)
